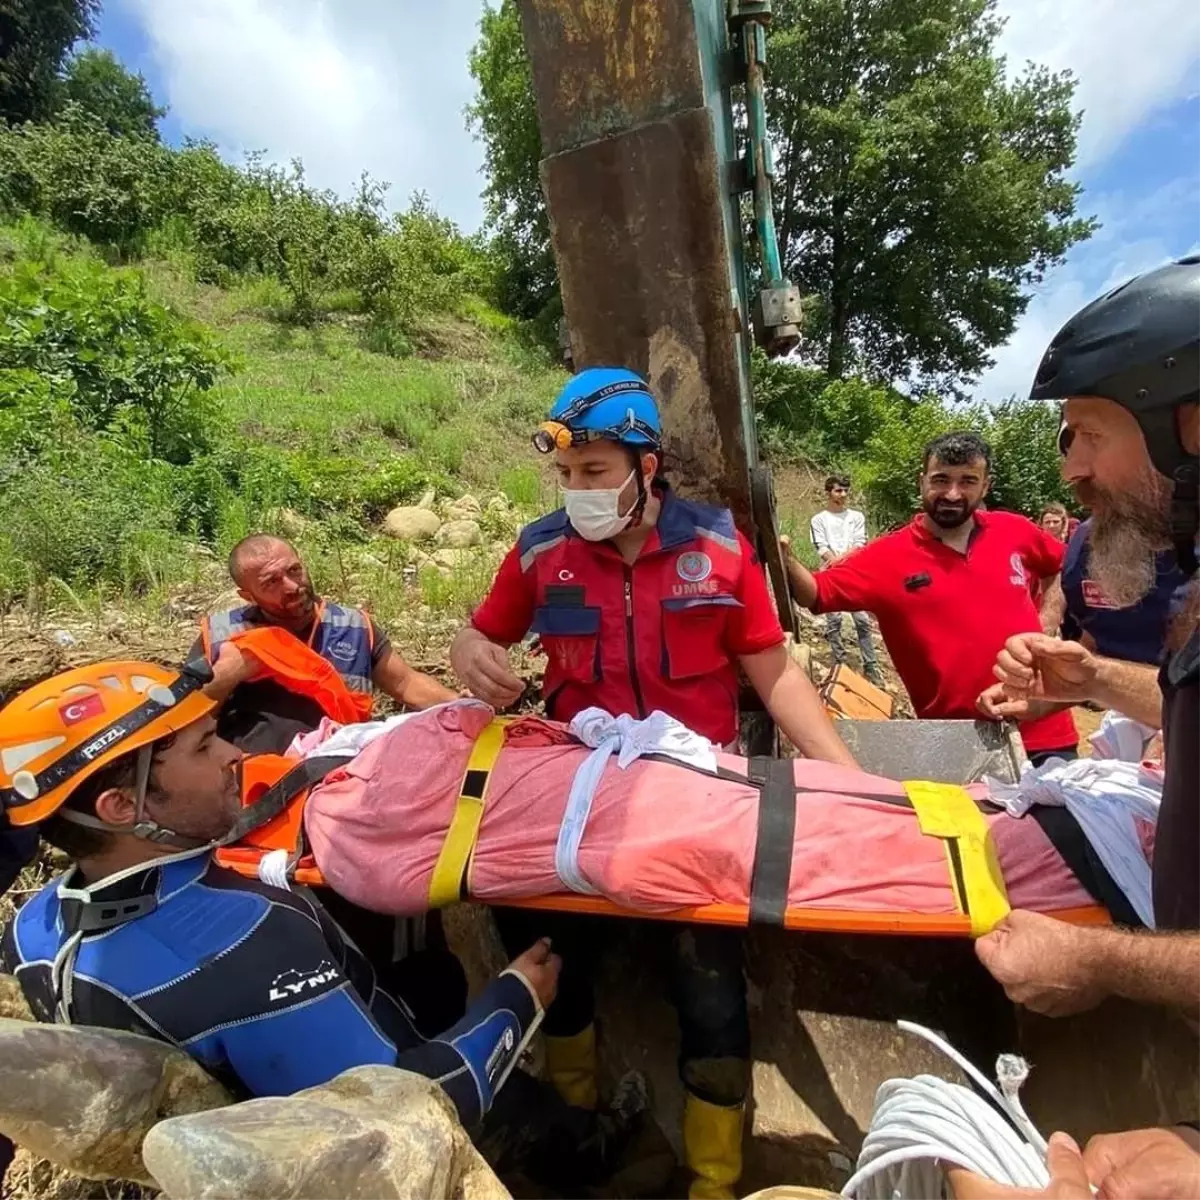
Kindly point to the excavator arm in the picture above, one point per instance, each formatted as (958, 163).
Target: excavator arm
(646, 180)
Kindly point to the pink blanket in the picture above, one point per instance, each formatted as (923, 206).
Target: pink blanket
(659, 836)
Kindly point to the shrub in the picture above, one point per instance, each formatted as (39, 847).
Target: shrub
(123, 362)
(1026, 468)
(75, 173)
(91, 512)
(829, 421)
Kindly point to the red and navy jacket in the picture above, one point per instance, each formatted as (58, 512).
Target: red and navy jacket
(664, 632)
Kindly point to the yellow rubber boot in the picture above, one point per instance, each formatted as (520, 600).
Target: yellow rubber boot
(571, 1065)
(712, 1147)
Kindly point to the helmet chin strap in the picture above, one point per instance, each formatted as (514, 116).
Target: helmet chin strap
(1185, 515)
(638, 511)
(143, 827)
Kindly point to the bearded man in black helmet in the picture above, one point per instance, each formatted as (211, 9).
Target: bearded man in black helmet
(1127, 370)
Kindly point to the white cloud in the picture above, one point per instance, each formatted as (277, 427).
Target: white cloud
(1135, 235)
(1131, 57)
(1132, 61)
(346, 85)
(380, 85)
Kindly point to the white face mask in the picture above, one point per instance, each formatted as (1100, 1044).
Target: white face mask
(595, 512)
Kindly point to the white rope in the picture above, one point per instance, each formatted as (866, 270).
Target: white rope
(273, 869)
(922, 1125)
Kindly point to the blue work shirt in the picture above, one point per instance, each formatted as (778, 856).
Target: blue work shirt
(1135, 634)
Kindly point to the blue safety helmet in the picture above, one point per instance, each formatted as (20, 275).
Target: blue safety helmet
(602, 402)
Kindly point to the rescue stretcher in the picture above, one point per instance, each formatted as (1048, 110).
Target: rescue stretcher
(946, 812)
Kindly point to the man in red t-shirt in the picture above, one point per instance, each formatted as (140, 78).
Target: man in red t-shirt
(949, 589)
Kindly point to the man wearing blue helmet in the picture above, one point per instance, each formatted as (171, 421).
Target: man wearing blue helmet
(643, 601)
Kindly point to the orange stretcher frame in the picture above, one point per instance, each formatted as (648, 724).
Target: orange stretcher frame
(245, 861)
(284, 656)
(811, 920)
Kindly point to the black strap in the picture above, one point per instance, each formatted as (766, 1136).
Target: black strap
(776, 832)
(279, 795)
(1068, 838)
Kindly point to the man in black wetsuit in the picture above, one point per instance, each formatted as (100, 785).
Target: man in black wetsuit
(118, 764)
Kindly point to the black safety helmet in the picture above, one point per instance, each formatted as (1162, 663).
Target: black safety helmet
(1140, 346)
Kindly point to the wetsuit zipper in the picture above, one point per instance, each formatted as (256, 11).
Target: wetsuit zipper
(633, 675)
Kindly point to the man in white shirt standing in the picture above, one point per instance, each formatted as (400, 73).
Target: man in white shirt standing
(836, 531)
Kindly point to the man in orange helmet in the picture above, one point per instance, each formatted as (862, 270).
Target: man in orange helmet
(119, 765)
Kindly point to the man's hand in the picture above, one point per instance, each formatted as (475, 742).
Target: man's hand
(995, 704)
(483, 667)
(1068, 1178)
(1033, 666)
(1145, 1164)
(1044, 964)
(540, 967)
(234, 666)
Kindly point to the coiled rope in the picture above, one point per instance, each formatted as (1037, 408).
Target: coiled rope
(923, 1125)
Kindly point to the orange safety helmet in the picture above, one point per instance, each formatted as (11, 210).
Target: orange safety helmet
(65, 729)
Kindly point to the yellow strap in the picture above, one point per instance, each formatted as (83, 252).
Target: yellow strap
(455, 856)
(947, 811)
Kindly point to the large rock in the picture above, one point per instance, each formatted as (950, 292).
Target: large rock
(373, 1132)
(465, 508)
(453, 559)
(457, 534)
(85, 1098)
(411, 524)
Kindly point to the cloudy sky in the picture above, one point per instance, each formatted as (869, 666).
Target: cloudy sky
(380, 85)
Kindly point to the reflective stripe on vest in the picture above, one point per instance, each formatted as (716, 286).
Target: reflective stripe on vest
(342, 637)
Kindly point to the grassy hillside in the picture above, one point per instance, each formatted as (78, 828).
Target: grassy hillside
(307, 431)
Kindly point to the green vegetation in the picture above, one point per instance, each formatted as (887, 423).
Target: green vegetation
(37, 37)
(191, 350)
(877, 435)
(137, 443)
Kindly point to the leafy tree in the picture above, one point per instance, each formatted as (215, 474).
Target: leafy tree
(76, 174)
(828, 421)
(504, 118)
(1026, 467)
(35, 37)
(918, 193)
(119, 99)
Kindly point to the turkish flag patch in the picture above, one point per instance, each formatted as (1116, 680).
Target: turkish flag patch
(81, 709)
(1094, 597)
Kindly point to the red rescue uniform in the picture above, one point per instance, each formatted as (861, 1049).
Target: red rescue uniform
(664, 632)
(945, 616)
